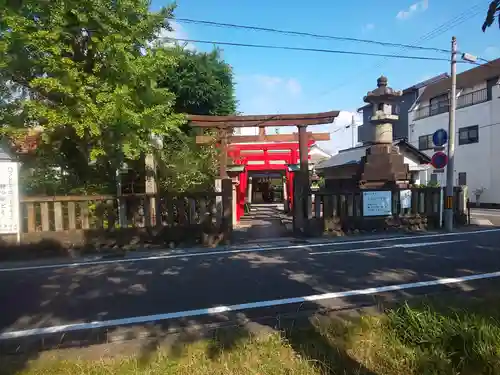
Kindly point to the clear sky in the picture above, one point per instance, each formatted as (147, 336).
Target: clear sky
(278, 81)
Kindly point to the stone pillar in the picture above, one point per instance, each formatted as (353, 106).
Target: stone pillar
(249, 190)
(235, 204)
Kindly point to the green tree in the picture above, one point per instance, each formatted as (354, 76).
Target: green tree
(203, 84)
(493, 11)
(89, 76)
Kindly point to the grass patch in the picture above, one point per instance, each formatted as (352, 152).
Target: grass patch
(460, 336)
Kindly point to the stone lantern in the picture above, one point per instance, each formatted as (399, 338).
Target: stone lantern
(383, 165)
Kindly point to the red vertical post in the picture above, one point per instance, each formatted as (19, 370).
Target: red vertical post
(243, 190)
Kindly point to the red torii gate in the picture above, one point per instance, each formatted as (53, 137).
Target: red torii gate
(225, 126)
(279, 156)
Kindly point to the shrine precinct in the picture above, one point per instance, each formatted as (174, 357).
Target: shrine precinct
(243, 156)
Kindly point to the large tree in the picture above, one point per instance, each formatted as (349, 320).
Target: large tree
(86, 73)
(203, 84)
(493, 12)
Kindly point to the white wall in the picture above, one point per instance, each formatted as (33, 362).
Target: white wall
(418, 169)
(481, 160)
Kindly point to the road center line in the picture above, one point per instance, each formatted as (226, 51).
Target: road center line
(244, 306)
(235, 251)
(395, 246)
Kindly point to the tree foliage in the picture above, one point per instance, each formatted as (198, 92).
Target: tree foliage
(89, 74)
(493, 11)
(203, 85)
(202, 82)
(94, 77)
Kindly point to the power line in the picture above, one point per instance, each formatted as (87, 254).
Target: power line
(266, 46)
(307, 34)
(444, 27)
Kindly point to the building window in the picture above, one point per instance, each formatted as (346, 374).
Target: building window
(468, 135)
(489, 87)
(439, 104)
(462, 178)
(434, 178)
(425, 142)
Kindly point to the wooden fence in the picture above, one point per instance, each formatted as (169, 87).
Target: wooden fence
(343, 210)
(97, 220)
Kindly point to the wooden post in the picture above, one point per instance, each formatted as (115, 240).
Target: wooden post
(301, 211)
(71, 215)
(227, 207)
(223, 153)
(151, 190)
(58, 216)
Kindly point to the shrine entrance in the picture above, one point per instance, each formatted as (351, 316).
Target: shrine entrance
(267, 188)
(265, 169)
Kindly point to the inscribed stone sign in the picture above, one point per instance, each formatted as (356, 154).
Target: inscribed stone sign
(377, 203)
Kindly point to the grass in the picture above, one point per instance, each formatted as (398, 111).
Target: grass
(427, 337)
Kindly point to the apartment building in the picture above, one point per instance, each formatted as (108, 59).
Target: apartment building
(400, 108)
(477, 151)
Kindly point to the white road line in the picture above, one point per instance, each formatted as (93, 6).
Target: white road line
(485, 214)
(236, 251)
(244, 306)
(396, 246)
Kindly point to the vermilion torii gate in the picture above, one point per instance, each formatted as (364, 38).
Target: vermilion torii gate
(265, 157)
(288, 143)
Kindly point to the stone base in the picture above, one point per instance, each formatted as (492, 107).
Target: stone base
(350, 225)
(382, 167)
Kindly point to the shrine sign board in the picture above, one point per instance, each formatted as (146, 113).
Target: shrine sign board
(377, 203)
(405, 198)
(9, 198)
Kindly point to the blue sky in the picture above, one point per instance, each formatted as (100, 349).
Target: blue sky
(277, 81)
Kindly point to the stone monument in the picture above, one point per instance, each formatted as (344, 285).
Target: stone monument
(383, 166)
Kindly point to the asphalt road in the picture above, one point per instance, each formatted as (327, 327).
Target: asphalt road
(45, 297)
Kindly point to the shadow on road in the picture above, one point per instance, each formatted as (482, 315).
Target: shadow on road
(42, 298)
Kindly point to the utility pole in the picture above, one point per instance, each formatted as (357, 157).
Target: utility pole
(353, 131)
(448, 212)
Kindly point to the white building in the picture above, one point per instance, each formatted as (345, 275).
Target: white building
(477, 151)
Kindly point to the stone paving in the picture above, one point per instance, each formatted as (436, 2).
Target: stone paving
(263, 222)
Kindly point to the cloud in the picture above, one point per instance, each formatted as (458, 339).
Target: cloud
(268, 94)
(277, 84)
(420, 6)
(293, 86)
(178, 32)
(368, 27)
(340, 132)
(491, 53)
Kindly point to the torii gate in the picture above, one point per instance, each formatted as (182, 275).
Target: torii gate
(226, 124)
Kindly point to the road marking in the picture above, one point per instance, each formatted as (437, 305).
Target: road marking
(487, 214)
(236, 251)
(396, 246)
(244, 306)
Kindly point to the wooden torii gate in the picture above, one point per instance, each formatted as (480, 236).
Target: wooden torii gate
(225, 125)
